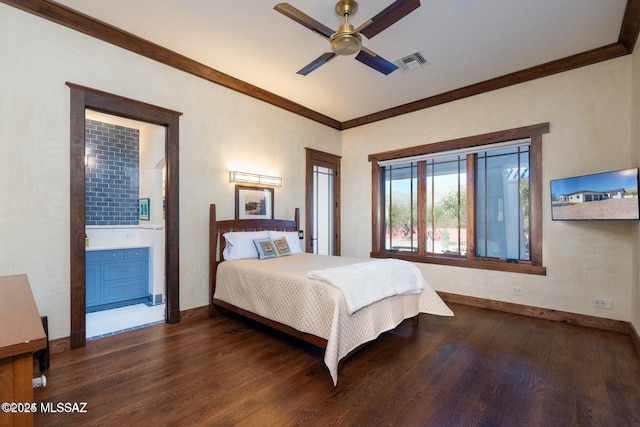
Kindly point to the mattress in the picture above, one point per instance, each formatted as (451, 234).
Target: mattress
(280, 290)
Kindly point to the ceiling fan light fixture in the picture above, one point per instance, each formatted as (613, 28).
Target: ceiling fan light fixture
(346, 44)
(346, 41)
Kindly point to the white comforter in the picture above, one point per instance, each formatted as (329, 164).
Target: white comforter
(364, 283)
(279, 289)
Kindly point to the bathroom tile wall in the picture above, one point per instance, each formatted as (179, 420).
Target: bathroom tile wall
(112, 174)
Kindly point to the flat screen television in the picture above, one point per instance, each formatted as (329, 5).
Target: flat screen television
(607, 195)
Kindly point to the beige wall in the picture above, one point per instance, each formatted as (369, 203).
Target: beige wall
(589, 111)
(219, 130)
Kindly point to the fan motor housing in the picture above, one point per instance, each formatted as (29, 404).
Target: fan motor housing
(346, 7)
(346, 44)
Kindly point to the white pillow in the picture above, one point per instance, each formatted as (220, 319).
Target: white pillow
(292, 239)
(240, 244)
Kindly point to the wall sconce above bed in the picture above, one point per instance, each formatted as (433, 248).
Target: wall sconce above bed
(252, 178)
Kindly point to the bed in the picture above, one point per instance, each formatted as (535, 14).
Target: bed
(280, 293)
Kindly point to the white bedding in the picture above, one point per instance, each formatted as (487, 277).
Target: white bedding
(356, 281)
(279, 289)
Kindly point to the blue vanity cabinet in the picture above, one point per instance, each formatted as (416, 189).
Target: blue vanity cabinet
(116, 277)
(93, 278)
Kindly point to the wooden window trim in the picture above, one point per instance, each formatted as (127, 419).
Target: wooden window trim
(534, 266)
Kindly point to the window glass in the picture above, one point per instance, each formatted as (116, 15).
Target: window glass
(401, 207)
(323, 232)
(446, 228)
(502, 204)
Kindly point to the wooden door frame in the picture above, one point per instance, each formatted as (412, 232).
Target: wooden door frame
(83, 98)
(331, 161)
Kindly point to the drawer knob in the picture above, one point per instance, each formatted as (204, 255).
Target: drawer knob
(114, 256)
(137, 254)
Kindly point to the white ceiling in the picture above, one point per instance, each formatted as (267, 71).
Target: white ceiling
(464, 42)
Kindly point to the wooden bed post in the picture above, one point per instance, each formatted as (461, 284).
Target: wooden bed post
(213, 233)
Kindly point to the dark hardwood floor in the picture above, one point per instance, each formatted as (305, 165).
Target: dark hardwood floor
(479, 368)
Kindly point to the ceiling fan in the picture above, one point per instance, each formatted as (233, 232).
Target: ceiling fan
(347, 40)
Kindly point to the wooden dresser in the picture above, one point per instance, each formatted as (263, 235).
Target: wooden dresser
(21, 333)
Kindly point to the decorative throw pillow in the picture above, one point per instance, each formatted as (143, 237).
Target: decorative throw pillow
(266, 248)
(293, 240)
(282, 247)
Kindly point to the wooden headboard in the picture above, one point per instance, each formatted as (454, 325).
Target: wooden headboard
(217, 242)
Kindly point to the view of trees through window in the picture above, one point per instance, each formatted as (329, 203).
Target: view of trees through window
(470, 202)
(446, 218)
(445, 215)
(401, 211)
(501, 205)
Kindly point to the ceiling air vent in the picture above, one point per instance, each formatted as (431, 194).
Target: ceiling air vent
(411, 62)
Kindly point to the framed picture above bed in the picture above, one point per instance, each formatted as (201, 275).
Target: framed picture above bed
(254, 202)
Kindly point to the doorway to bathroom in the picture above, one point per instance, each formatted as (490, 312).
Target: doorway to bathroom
(125, 175)
(82, 99)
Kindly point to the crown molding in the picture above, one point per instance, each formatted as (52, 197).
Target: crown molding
(85, 24)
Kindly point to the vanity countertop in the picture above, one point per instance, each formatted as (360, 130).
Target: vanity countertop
(115, 247)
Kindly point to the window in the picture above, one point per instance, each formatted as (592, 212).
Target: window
(401, 201)
(502, 204)
(446, 206)
(473, 202)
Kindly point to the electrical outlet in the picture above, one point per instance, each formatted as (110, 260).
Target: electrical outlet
(517, 291)
(603, 303)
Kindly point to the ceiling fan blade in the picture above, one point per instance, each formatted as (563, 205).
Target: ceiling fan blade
(301, 18)
(376, 62)
(316, 63)
(389, 16)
